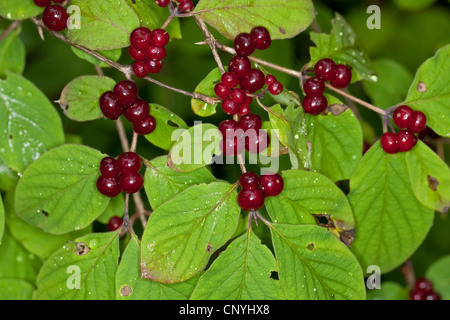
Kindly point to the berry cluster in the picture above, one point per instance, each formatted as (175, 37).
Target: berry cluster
(184, 6)
(54, 16)
(121, 174)
(255, 189)
(124, 100)
(325, 70)
(148, 50)
(246, 133)
(240, 73)
(410, 122)
(423, 290)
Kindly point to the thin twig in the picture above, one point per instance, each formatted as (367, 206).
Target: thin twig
(10, 28)
(211, 41)
(122, 135)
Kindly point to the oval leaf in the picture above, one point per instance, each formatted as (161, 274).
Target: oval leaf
(206, 87)
(19, 9)
(12, 53)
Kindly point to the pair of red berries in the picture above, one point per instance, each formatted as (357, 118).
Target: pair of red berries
(121, 174)
(124, 100)
(325, 70)
(245, 133)
(423, 290)
(148, 50)
(410, 122)
(54, 16)
(255, 189)
(184, 6)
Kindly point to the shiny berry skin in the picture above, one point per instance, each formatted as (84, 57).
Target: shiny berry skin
(229, 106)
(256, 141)
(137, 111)
(419, 121)
(228, 126)
(270, 79)
(162, 3)
(403, 116)
(141, 38)
(230, 79)
(109, 187)
(231, 145)
(55, 17)
(261, 38)
(140, 69)
(314, 105)
(238, 95)
(126, 92)
(406, 140)
(42, 3)
(275, 88)
(433, 296)
(342, 77)
(424, 284)
(145, 126)
(129, 162)
(272, 184)
(138, 55)
(417, 295)
(250, 121)
(109, 167)
(325, 69)
(131, 182)
(186, 6)
(253, 81)
(222, 90)
(156, 52)
(114, 223)
(244, 45)
(110, 106)
(241, 66)
(249, 180)
(388, 142)
(314, 87)
(244, 109)
(160, 37)
(250, 199)
(154, 66)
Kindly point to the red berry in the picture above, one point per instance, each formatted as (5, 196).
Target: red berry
(110, 106)
(275, 88)
(131, 182)
(228, 126)
(231, 145)
(126, 92)
(141, 38)
(419, 121)
(154, 66)
(433, 296)
(244, 109)
(140, 69)
(249, 180)
(222, 90)
(272, 184)
(250, 121)
(229, 106)
(244, 45)
(314, 87)
(42, 3)
(114, 223)
(389, 142)
(314, 105)
(109, 167)
(424, 285)
(162, 3)
(138, 55)
(240, 66)
(55, 17)
(160, 37)
(325, 69)
(342, 77)
(269, 79)
(261, 38)
(230, 79)
(156, 52)
(238, 95)
(129, 162)
(417, 295)
(250, 199)
(186, 6)
(109, 187)
(253, 80)
(145, 126)
(403, 116)
(137, 111)
(256, 141)
(406, 140)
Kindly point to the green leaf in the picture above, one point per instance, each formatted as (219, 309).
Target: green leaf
(416, 5)
(314, 264)
(115, 208)
(206, 87)
(162, 183)
(2, 220)
(167, 125)
(182, 234)
(79, 98)
(19, 9)
(83, 269)
(389, 291)
(342, 46)
(283, 18)
(130, 285)
(241, 272)
(29, 125)
(430, 177)
(12, 53)
(8, 178)
(390, 222)
(311, 198)
(46, 192)
(15, 289)
(439, 274)
(430, 92)
(195, 148)
(105, 24)
(110, 54)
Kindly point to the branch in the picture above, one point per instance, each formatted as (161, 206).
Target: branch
(10, 28)
(211, 41)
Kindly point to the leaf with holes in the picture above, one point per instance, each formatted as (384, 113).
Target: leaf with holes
(46, 192)
(162, 183)
(241, 272)
(105, 24)
(314, 264)
(182, 233)
(283, 18)
(82, 269)
(29, 125)
(168, 128)
(80, 97)
(206, 87)
(390, 223)
(430, 92)
(19, 9)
